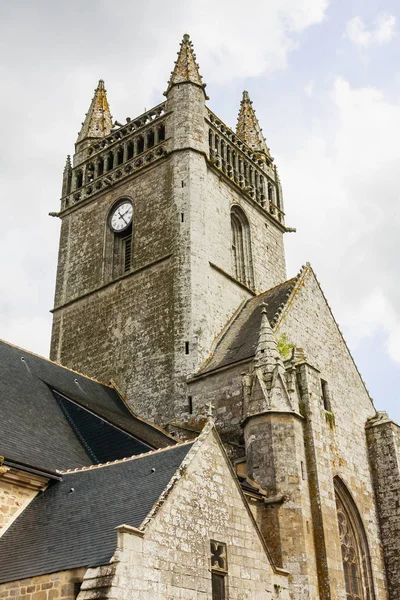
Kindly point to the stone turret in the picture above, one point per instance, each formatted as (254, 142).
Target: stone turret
(97, 123)
(248, 127)
(274, 442)
(266, 386)
(186, 100)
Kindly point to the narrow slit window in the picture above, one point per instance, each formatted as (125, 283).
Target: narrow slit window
(190, 405)
(186, 347)
(325, 395)
(218, 586)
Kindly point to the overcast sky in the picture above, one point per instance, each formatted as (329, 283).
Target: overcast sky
(325, 81)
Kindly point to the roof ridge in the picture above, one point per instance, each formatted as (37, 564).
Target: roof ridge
(289, 293)
(146, 422)
(122, 460)
(57, 364)
(223, 333)
(311, 270)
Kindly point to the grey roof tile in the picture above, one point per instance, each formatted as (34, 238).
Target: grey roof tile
(72, 524)
(33, 427)
(239, 341)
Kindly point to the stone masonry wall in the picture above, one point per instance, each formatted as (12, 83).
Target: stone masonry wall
(224, 391)
(121, 330)
(153, 327)
(56, 586)
(13, 500)
(172, 559)
(85, 253)
(340, 445)
(384, 447)
(224, 296)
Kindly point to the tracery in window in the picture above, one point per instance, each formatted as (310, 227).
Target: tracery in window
(241, 247)
(354, 547)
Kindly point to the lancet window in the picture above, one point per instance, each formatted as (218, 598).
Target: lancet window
(354, 547)
(241, 247)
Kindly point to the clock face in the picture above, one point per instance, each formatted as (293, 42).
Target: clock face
(121, 217)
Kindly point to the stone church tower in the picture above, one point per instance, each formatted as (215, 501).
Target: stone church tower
(142, 305)
(171, 283)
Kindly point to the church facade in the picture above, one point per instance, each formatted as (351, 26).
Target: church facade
(172, 288)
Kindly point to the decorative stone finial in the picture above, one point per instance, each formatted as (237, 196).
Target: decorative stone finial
(186, 68)
(248, 127)
(67, 164)
(98, 120)
(210, 407)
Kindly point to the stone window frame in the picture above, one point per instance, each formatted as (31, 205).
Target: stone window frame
(219, 572)
(242, 262)
(356, 541)
(115, 244)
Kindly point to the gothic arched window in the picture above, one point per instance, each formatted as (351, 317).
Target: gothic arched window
(354, 546)
(241, 247)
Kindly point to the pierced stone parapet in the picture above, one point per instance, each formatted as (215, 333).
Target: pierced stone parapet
(115, 175)
(256, 176)
(127, 148)
(120, 132)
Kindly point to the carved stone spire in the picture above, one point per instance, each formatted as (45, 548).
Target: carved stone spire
(67, 167)
(248, 127)
(67, 175)
(186, 68)
(267, 353)
(265, 389)
(98, 120)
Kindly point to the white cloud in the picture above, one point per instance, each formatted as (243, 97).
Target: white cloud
(344, 178)
(48, 80)
(233, 43)
(309, 89)
(381, 32)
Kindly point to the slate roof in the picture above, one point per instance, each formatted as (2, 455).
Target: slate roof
(240, 339)
(72, 524)
(39, 430)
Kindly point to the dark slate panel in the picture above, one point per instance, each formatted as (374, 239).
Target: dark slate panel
(240, 340)
(72, 524)
(33, 428)
(102, 441)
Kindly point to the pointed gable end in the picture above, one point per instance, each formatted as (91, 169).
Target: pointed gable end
(202, 509)
(308, 321)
